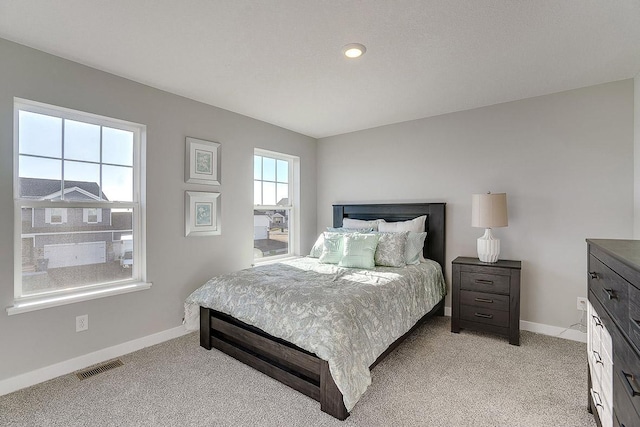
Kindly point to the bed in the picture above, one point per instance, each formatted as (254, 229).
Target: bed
(313, 372)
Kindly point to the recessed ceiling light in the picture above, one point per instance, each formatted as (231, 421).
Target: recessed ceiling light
(353, 50)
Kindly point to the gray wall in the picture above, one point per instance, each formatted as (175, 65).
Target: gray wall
(636, 152)
(176, 265)
(565, 160)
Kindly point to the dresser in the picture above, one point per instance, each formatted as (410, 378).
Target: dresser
(613, 331)
(486, 297)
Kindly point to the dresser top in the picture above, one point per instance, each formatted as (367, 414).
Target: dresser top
(625, 251)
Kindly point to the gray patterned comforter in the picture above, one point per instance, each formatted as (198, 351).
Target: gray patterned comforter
(345, 316)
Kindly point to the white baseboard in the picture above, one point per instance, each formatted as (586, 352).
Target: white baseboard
(541, 328)
(554, 331)
(52, 371)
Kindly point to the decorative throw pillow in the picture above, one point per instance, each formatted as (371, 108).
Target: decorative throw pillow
(391, 249)
(332, 248)
(349, 230)
(359, 223)
(414, 247)
(316, 250)
(359, 250)
(416, 224)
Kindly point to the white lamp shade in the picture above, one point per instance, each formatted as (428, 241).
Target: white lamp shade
(489, 210)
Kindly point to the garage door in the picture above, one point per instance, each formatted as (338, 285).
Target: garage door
(72, 254)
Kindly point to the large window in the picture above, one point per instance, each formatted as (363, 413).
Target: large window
(78, 181)
(275, 199)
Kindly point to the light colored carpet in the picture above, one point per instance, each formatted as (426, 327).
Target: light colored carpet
(435, 378)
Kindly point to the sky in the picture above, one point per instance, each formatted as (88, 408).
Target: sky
(41, 135)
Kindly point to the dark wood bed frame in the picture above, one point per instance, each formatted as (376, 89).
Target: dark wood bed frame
(296, 367)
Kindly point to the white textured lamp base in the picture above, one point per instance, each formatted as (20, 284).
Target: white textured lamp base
(488, 247)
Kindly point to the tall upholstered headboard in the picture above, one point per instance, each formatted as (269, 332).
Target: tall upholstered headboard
(434, 225)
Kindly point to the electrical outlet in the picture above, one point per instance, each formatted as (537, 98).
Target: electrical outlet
(82, 323)
(582, 304)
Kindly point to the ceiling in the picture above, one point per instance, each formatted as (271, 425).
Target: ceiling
(280, 61)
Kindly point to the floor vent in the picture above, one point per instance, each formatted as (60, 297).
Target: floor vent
(83, 375)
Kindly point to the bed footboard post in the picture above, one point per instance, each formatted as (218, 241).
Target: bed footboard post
(205, 328)
(440, 311)
(330, 396)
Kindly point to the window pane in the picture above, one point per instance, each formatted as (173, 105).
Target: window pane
(39, 177)
(117, 183)
(257, 167)
(81, 141)
(257, 192)
(35, 167)
(268, 169)
(268, 193)
(63, 260)
(39, 134)
(283, 171)
(270, 233)
(81, 177)
(117, 146)
(283, 194)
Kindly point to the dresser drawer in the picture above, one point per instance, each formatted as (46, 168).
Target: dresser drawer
(484, 282)
(611, 290)
(626, 371)
(634, 315)
(484, 300)
(487, 316)
(625, 413)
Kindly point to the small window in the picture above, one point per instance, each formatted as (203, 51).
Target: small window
(92, 215)
(274, 211)
(55, 215)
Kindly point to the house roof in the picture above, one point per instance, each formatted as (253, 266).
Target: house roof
(37, 188)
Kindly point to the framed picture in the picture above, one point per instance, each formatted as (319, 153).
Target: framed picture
(202, 162)
(201, 213)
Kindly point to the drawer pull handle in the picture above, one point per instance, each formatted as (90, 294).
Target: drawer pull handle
(593, 274)
(610, 293)
(484, 282)
(627, 384)
(490, 301)
(597, 320)
(484, 316)
(599, 402)
(598, 357)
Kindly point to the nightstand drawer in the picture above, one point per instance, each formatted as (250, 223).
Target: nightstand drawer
(484, 282)
(484, 315)
(484, 300)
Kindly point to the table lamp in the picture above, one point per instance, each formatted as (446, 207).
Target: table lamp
(489, 211)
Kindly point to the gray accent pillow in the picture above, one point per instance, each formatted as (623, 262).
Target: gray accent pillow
(391, 249)
(415, 245)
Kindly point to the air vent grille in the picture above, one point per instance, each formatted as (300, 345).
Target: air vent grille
(83, 375)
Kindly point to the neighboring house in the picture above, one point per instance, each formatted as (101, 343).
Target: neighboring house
(66, 237)
(260, 227)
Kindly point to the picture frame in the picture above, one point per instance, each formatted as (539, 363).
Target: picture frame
(202, 162)
(202, 213)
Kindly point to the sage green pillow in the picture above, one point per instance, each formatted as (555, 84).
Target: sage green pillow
(332, 248)
(359, 250)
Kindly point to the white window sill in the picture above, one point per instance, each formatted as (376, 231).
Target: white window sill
(273, 260)
(49, 301)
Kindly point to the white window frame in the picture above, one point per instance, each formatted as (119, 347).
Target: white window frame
(293, 207)
(58, 297)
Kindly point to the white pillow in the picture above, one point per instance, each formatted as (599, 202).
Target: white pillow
(316, 250)
(360, 223)
(416, 225)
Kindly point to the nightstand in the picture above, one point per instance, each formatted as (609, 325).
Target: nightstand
(486, 297)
